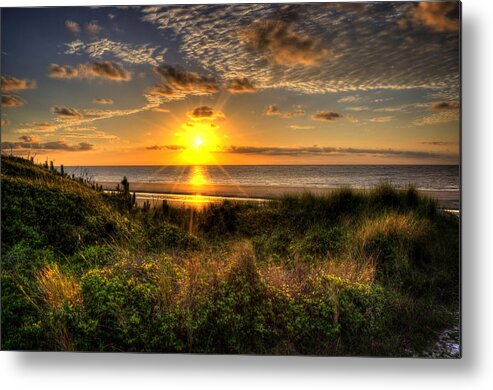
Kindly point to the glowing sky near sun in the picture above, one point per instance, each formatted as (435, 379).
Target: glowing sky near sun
(374, 83)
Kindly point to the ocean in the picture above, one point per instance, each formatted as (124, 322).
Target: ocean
(423, 177)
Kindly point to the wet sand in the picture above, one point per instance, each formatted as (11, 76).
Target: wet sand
(215, 193)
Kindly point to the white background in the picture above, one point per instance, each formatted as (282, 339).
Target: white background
(473, 371)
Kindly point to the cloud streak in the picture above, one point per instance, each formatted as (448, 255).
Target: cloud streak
(104, 70)
(31, 143)
(327, 151)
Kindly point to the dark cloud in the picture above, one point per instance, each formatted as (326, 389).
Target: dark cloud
(444, 106)
(111, 71)
(14, 84)
(166, 147)
(327, 150)
(67, 112)
(103, 69)
(280, 44)
(177, 80)
(30, 142)
(103, 101)
(325, 116)
(12, 101)
(240, 85)
(437, 16)
(204, 112)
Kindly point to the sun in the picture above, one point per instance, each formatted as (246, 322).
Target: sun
(198, 141)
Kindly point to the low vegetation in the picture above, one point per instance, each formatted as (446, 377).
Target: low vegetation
(350, 273)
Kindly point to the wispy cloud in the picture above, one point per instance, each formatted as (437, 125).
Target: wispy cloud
(38, 127)
(438, 117)
(126, 52)
(93, 28)
(381, 119)
(299, 127)
(103, 101)
(73, 27)
(272, 110)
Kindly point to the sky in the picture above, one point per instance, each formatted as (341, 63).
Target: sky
(327, 83)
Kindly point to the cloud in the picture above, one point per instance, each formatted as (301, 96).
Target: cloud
(29, 138)
(12, 100)
(296, 127)
(166, 147)
(272, 110)
(38, 127)
(93, 28)
(326, 116)
(444, 106)
(12, 84)
(160, 109)
(104, 69)
(204, 113)
(328, 150)
(72, 26)
(30, 143)
(443, 116)
(357, 108)
(381, 119)
(66, 112)
(88, 133)
(359, 41)
(126, 52)
(240, 85)
(350, 99)
(103, 101)
(281, 45)
(177, 81)
(437, 16)
(438, 143)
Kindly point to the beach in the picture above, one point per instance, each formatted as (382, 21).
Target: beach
(200, 195)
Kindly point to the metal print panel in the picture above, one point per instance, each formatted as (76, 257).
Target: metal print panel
(271, 179)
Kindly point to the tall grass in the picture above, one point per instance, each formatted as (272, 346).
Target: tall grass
(371, 272)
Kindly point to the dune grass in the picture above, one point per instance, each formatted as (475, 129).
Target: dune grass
(349, 273)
